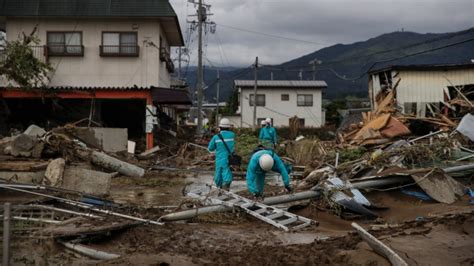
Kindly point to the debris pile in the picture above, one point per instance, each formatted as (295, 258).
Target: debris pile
(386, 124)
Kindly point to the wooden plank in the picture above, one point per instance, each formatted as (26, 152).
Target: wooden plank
(23, 166)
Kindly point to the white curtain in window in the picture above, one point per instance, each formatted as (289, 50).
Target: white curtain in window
(73, 42)
(128, 41)
(111, 43)
(56, 42)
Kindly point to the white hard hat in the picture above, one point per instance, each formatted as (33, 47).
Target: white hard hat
(263, 122)
(224, 123)
(266, 162)
(268, 120)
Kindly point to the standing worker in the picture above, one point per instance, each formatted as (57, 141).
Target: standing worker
(268, 136)
(223, 144)
(260, 163)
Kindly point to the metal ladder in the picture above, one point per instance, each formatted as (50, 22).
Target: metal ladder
(272, 215)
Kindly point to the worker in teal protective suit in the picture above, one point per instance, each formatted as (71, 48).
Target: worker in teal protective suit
(223, 174)
(268, 135)
(260, 163)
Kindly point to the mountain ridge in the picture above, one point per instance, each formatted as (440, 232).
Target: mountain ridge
(354, 60)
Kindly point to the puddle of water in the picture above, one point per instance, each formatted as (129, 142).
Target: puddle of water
(149, 196)
(298, 238)
(144, 196)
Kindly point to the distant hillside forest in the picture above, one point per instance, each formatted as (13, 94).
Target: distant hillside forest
(344, 66)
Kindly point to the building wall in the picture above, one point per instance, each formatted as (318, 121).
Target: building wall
(91, 69)
(423, 86)
(281, 111)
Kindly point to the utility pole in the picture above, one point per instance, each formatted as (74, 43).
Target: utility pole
(200, 73)
(6, 233)
(179, 63)
(255, 95)
(202, 15)
(217, 97)
(315, 62)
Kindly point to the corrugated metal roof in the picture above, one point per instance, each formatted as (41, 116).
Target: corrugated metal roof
(103, 8)
(424, 67)
(92, 8)
(282, 83)
(73, 88)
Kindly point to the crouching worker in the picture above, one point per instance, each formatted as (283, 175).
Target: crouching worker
(261, 162)
(223, 144)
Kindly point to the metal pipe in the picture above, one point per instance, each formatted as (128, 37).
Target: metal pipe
(460, 168)
(64, 211)
(89, 252)
(466, 157)
(426, 136)
(6, 234)
(311, 194)
(188, 214)
(86, 206)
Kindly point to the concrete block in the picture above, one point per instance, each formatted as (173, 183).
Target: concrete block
(107, 139)
(34, 131)
(87, 181)
(25, 146)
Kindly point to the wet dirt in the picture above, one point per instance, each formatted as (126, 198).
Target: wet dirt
(235, 238)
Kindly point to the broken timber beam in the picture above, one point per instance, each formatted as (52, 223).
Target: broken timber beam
(379, 247)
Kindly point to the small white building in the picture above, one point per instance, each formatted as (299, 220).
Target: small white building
(421, 87)
(280, 100)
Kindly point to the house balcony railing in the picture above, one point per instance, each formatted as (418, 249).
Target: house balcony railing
(64, 50)
(38, 52)
(119, 50)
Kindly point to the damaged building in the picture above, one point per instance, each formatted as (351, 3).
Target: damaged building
(111, 64)
(422, 90)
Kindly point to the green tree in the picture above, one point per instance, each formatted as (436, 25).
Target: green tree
(21, 66)
(332, 116)
(232, 104)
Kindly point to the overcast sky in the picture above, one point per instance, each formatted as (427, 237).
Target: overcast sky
(319, 22)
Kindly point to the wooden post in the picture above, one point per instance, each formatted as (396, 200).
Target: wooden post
(255, 94)
(6, 234)
(379, 247)
(149, 135)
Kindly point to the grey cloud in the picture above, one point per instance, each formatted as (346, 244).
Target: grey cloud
(323, 21)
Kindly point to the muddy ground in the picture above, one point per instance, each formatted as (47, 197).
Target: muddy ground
(423, 233)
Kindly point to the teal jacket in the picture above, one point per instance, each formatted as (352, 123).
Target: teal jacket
(256, 176)
(268, 134)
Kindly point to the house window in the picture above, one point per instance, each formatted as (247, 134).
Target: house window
(285, 97)
(64, 44)
(260, 99)
(119, 44)
(304, 100)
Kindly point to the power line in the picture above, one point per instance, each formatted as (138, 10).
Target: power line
(272, 36)
(376, 62)
(391, 50)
